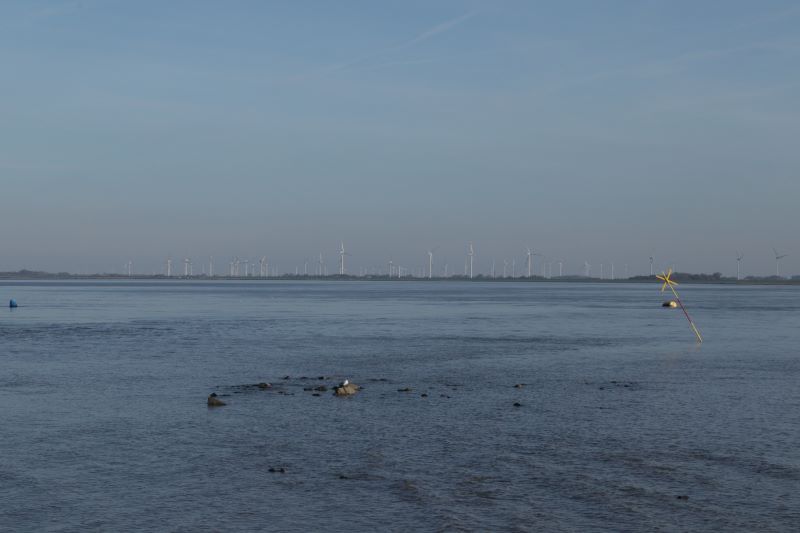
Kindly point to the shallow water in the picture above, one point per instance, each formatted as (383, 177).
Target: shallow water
(105, 424)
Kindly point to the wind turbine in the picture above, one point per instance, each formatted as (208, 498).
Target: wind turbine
(211, 267)
(321, 264)
(739, 257)
(778, 258)
(430, 262)
(560, 267)
(471, 256)
(529, 255)
(587, 268)
(186, 262)
(505, 267)
(342, 253)
(169, 268)
(651, 264)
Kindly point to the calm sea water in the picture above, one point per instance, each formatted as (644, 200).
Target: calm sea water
(104, 424)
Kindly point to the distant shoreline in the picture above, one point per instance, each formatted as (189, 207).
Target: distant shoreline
(680, 277)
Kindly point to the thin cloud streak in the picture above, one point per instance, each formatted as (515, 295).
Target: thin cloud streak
(667, 67)
(401, 63)
(439, 29)
(61, 9)
(436, 30)
(676, 64)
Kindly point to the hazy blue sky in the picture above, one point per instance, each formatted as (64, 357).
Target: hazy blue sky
(593, 130)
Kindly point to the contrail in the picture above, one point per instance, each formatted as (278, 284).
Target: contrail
(439, 29)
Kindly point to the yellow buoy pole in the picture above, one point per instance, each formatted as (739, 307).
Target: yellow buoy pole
(665, 277)
(691, 322)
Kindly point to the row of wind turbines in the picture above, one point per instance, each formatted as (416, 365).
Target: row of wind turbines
(235, 268)
(739, 257)
(246, 268)
(242, 267)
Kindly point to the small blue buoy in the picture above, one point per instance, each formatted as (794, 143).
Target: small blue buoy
(12, 304)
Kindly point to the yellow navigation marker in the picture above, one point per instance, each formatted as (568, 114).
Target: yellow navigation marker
(668, 282)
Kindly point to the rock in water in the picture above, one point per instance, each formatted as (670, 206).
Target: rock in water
(346, 390)
(213, 401)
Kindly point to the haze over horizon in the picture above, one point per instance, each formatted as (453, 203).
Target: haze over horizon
(589, 131)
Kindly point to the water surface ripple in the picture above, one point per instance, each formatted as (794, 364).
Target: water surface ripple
(105, 427)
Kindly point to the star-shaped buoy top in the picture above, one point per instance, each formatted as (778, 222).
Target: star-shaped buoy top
(665, 277)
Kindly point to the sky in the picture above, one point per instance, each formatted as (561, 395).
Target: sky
(599, 131)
